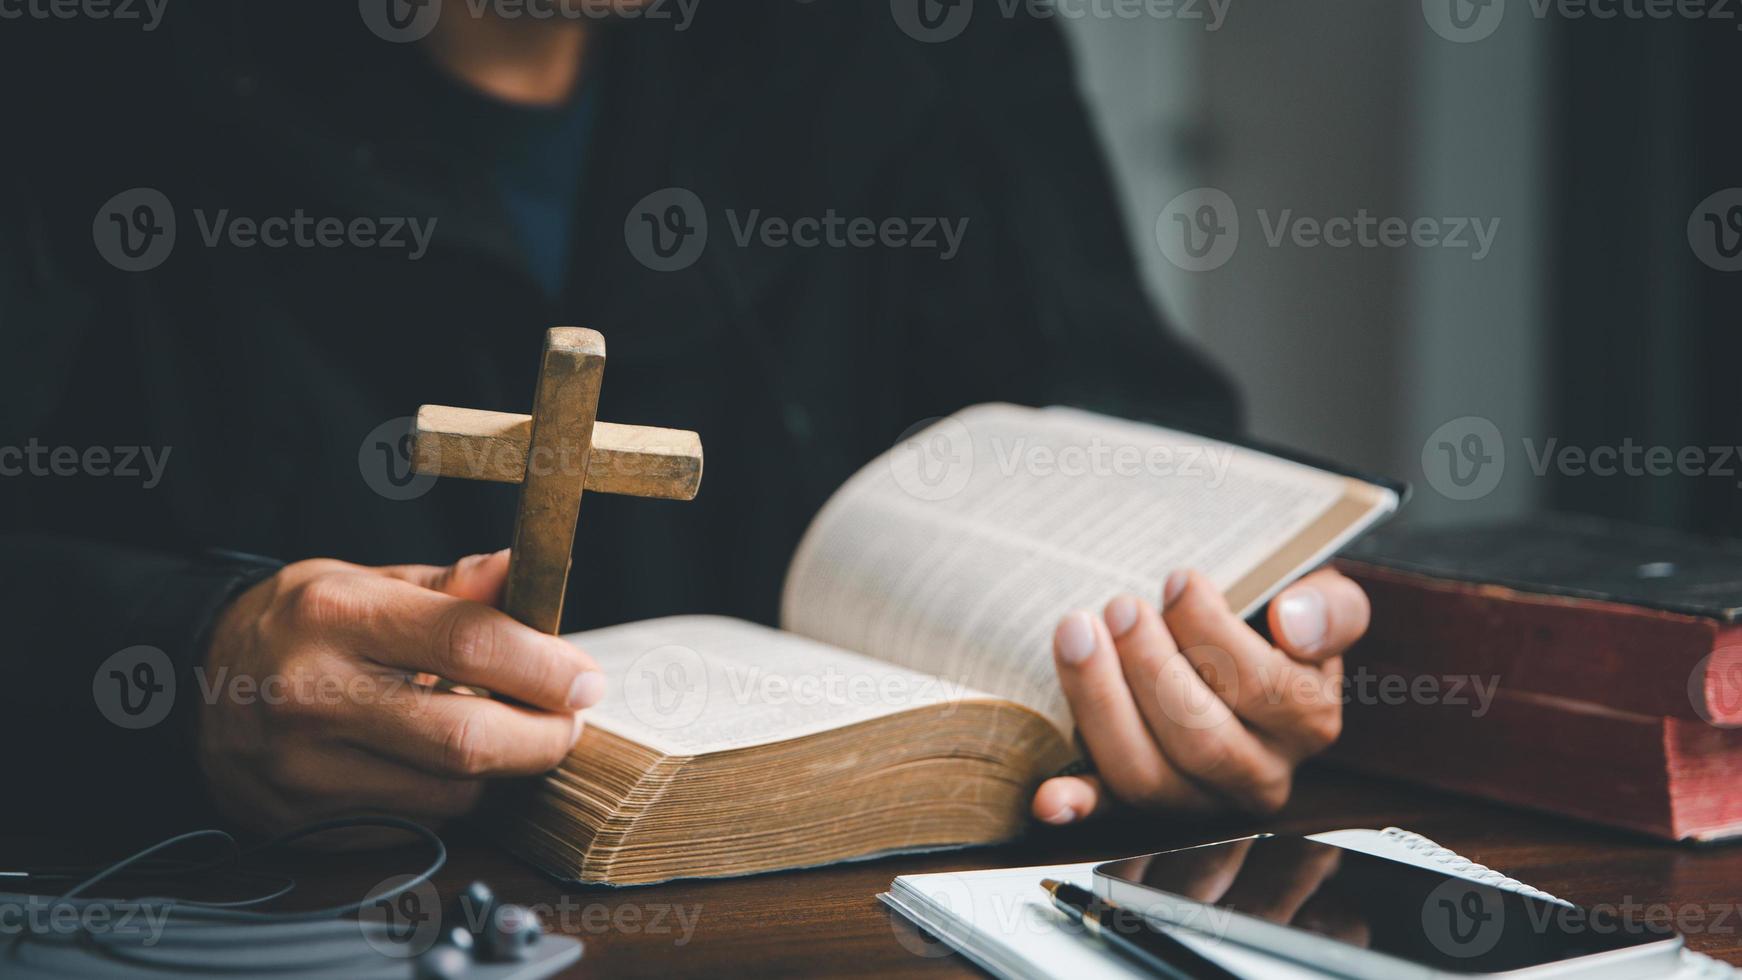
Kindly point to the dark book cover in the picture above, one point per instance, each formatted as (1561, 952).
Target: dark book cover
(1622, 617)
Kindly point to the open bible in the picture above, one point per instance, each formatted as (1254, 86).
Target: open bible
(909, 699)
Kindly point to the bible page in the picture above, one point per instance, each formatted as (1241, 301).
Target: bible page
(688, 685)
(957, 552)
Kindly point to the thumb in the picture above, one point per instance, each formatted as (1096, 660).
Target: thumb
(1067, 799)
(478, 578)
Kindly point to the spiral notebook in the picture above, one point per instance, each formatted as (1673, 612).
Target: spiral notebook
(1000, 921)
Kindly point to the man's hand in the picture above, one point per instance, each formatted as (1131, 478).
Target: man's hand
(1192, 709)
(316, 699)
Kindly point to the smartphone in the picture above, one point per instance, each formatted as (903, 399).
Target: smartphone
(1353, 914)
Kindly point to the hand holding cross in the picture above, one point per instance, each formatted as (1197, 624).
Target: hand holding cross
(555, 454)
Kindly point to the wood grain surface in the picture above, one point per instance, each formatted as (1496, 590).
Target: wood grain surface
(827, 921)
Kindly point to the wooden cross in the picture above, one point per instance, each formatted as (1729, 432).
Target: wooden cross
(554, 454)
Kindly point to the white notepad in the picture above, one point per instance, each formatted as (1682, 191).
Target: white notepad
(1000, 919)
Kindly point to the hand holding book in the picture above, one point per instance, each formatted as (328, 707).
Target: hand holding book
(917, 694)
(1177, 707)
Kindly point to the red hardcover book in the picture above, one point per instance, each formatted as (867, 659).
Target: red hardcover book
(1608, 658)
(1667, 777)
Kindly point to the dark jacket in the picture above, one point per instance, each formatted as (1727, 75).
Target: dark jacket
(262, 372)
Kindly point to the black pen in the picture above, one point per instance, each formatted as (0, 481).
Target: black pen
(1132, 936)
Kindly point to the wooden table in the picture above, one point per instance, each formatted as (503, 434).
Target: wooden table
(828, 922)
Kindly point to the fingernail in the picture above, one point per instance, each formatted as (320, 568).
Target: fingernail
(1302, 613)
(1176, 583)
(587, 690)
(1121, 615)
(1063, 816)
(1076, 638)
(580, 725)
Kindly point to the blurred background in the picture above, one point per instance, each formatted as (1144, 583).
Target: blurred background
(1597, 141)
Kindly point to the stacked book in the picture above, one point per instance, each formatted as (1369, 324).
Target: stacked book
(1570, 665)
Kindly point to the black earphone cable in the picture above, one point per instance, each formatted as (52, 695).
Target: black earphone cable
(228, 936)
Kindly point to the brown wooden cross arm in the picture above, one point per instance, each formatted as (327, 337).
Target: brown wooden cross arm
(555, 454)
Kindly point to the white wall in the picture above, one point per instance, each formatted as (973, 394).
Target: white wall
(1323, 110)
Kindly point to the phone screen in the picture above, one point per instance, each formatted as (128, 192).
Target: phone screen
(1433, 919)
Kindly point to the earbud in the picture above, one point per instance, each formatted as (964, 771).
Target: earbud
(490, 931)
(510, 934)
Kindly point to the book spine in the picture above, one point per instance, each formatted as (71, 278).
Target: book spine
(1596, 765)
(1623, 657)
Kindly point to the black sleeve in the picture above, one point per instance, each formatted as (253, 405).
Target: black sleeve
(101, 691)
(98, 689)
(1044, 303)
